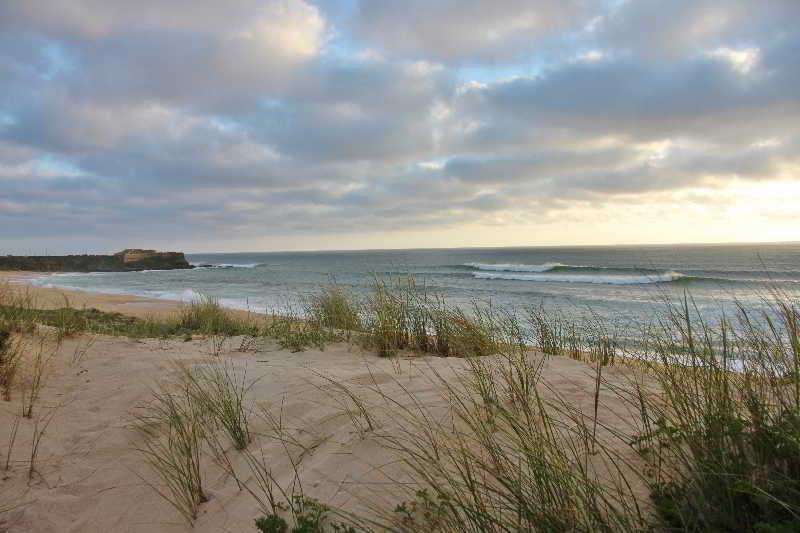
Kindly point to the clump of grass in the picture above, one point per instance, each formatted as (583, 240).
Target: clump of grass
(475, 334)
(389, 312)
(35, 372)
(293, 332)
(216, 389)
(555, 334)
(403, 316)
(17, 309)
(172, 426)
(205, 315)
(724, 442)
(505, 458)
(335, 309)
(39, 430)
(11, 349)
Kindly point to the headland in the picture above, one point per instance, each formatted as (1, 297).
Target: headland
(128, 260)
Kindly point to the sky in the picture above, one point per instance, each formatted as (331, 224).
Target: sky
(258, 125)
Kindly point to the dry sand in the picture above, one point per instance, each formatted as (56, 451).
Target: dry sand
(89, 478)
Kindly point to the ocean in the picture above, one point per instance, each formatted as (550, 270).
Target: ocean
(628, 282)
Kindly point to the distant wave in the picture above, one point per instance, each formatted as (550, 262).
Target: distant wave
(613, 275)
(226, 265)
(587, 278)
(557, 267)
(514, 267)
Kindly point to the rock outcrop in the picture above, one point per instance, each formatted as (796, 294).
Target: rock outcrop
(124, 261)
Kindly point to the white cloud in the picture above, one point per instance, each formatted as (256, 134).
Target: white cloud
(288, 28)
(592, 56)
(742, 60)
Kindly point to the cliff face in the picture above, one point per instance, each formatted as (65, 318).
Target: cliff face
(124, 261)
(136, 259)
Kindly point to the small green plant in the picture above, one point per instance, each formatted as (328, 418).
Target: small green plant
(310, 516)
(272, 524)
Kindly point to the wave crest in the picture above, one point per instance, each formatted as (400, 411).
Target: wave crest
(515, 267)
(663, 277)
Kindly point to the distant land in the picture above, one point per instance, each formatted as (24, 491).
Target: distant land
(131, 259)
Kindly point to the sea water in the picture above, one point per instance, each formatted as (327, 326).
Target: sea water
(629, 282)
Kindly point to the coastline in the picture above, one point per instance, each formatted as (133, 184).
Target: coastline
(298, 402)
(125, 304)
(53, 298)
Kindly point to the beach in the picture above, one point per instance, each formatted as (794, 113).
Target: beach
(89, 476)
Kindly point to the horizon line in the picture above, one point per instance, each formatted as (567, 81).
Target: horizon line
(717, 243)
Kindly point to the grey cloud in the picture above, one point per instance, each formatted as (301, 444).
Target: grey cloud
(649, 28)
(703, 98)
(467, 30)
(359, 110)
(211, 56)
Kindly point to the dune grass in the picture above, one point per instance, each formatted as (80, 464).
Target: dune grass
(11, 350)
(216, 388)
(172, 426)
(719, 427)
(723, 435)
(20, 311)
(334, 308)
(715, 412)
(508, 454)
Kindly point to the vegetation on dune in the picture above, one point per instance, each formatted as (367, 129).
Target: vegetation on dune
(711, 428)
(19, 312)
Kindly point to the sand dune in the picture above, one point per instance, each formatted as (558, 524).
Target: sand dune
(90, 478)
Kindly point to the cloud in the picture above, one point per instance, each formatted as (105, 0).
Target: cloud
(250, 117)
(649, 28)
(204, 56)
(459, 30)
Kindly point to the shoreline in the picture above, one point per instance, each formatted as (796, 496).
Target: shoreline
(53, 298)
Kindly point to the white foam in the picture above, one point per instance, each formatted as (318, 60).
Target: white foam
(184, 295)
(53, 281)
(514, 267)
(586, 278)
(225, 265)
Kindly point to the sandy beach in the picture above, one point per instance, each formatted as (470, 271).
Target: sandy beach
(89, 477)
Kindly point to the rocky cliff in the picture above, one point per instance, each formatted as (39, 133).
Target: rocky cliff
(126, 260)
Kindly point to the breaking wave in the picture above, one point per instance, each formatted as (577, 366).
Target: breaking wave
(226, 265)
(516, 268)
(620, 275)
(588, 278)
